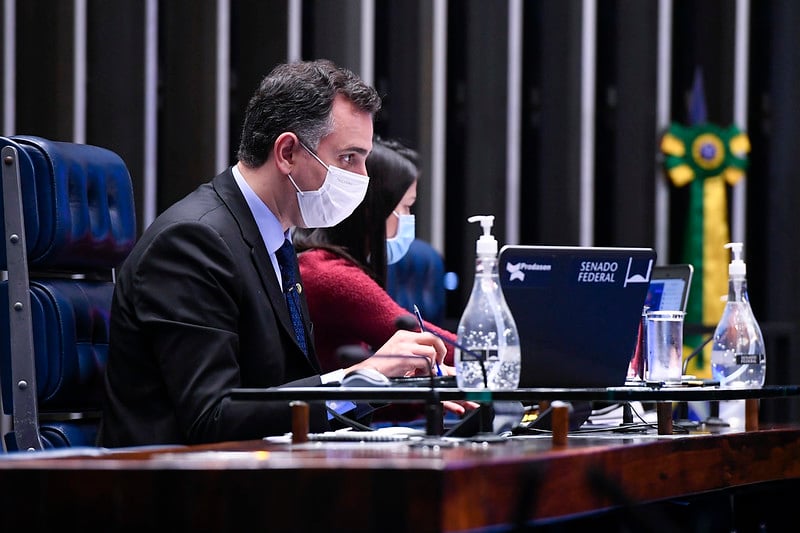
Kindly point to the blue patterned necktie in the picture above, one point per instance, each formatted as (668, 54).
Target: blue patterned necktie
(287, 261)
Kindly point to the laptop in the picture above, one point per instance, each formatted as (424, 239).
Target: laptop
(577, 311)
(669, 287)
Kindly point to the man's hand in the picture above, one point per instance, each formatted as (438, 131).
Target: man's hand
(407, 353)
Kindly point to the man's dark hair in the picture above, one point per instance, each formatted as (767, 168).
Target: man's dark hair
(298, 97)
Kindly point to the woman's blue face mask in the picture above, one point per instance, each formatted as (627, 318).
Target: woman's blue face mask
(398, 246)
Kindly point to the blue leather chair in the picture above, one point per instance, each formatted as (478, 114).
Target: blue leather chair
(68, 220)
(418, 278)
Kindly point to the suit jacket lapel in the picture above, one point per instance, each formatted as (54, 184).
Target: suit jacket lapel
(232, 197)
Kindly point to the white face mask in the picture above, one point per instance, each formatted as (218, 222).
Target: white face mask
(340, 194)
(398, 246)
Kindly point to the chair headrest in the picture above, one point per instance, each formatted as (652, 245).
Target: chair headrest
(77, 202)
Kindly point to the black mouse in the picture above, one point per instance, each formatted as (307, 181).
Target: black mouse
(365, 377)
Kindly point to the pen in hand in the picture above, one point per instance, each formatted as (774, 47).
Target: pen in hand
(422, 328)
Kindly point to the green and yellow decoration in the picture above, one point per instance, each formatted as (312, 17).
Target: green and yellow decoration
(708, 159)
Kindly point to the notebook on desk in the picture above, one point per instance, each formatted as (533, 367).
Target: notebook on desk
(577, 310)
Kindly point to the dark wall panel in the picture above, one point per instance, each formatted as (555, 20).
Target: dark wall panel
(399, 34)
(776, 222)
(116, 83)
(625, 168)
(6, 68)
(397, 81)
(335, 32)
(557, 201)
(187, 99)
(483, 179)
(259, 42)
(45, 65)
(476, 134)
(531, 124)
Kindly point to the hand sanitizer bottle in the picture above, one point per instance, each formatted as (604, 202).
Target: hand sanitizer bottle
(738, 359)
(489, 353)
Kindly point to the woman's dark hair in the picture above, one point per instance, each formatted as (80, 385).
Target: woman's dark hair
(361, 237)
(298, 97)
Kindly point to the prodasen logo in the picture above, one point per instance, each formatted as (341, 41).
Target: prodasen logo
(517, 270)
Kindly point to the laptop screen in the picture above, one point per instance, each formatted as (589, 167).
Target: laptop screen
(577, 311)
(669, 287)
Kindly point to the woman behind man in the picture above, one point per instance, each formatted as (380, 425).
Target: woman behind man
(344, 267)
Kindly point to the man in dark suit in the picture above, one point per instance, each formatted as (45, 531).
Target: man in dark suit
(199, 308)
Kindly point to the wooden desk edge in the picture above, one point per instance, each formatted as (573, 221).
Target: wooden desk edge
(440, 489)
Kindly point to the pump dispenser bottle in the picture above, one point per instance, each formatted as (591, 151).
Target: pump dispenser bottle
(489, 353)
(738, 359)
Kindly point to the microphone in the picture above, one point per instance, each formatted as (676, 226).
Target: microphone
(350, 354)
(406, 322)
(695, 352)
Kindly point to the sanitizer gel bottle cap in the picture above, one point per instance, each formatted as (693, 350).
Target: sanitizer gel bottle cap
(486, 244)
(489, 353)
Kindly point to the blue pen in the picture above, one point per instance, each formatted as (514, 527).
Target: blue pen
(422, 328)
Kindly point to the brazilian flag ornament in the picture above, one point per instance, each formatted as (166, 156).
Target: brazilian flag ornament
(706, 158)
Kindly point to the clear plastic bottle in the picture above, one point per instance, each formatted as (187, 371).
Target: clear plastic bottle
(487, 330)
(738, 359)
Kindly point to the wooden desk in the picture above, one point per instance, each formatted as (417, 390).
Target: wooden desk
(385, 487)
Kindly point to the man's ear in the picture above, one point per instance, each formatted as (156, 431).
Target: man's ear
(285, 151)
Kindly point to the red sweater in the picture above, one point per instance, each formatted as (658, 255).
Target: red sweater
(348, 307)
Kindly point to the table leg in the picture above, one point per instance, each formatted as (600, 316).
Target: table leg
(664, 411)
(559, 423)
(751, 414)
(434, 417)
(300, 423)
